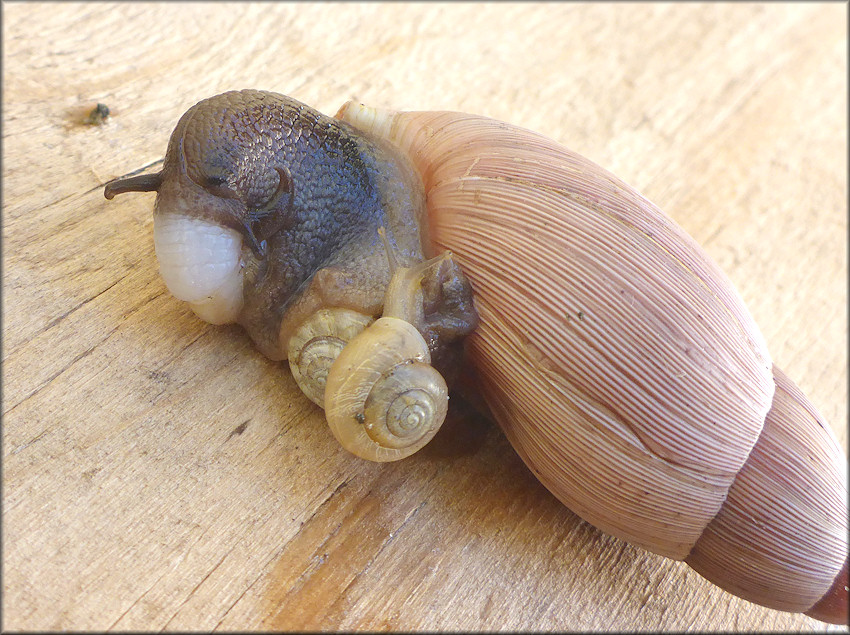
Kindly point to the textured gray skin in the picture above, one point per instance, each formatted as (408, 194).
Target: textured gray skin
(308, 193)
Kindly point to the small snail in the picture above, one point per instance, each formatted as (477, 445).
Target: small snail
(618, 359)
(383, 399)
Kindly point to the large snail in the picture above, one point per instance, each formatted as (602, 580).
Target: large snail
(380, 251)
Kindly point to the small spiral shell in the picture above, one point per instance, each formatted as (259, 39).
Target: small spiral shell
(315, 345)
(383, 400)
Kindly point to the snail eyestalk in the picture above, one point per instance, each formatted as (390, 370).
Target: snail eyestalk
(391, 259)
(140, 183)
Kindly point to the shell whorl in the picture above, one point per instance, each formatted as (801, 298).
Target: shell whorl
(316, 344)
(780, 538)
(383, 400)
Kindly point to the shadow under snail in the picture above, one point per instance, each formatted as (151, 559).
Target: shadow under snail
(380, 252)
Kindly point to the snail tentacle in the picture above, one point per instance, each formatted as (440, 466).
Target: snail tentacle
(140, 183)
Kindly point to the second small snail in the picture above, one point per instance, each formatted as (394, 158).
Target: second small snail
(392, 256)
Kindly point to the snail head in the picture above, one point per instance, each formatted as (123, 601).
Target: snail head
(226, 162)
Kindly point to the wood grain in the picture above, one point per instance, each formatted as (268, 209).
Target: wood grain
(159, 474)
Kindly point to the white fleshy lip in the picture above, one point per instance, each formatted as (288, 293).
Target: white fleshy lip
(201, 263)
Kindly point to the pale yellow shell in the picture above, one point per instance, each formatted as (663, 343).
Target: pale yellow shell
(315, 345)
(383, 400)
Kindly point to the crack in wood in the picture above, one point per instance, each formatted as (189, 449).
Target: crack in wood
(276, 555)
(135, 602)
(241, 595)
(197, 586)
(59, 318)
(238, 430)
(59, 372)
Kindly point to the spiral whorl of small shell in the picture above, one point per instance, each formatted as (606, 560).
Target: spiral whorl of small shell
(383, 400)
(316, 344)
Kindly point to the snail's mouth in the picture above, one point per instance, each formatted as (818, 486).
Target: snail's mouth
(201, 263)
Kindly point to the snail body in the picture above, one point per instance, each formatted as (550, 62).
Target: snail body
(619, 360)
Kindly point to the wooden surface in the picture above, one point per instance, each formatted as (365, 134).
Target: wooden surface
(158, 473)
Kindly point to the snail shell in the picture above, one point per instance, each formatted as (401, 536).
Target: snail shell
(624, 367)
(384, 400)
(618, 359)
(317, 343)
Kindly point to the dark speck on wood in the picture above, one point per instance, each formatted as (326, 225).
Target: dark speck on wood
(239, 429)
